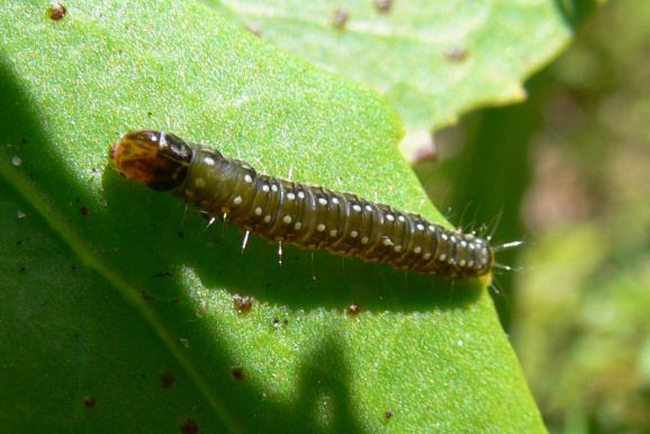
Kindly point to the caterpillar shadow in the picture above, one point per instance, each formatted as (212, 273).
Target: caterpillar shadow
(304, 279)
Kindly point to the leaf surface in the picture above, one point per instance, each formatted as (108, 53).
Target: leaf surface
(116, 302)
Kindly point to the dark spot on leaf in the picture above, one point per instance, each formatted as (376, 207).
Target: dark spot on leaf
(388, 414)
(83, 210)
(19, 242)
(146, 297)
(384, 6)
(340, 19)
(238, 373)
(23, 140)
(74, 268)
(189, 426)
(89, 401)
(353, 309)
(149, 113)
(77, 199)
(253, 29)
(180, 235)
(167, 379)
(56, 11)
(456, 54)
(163, 274)
(22, 269)
(243, 303)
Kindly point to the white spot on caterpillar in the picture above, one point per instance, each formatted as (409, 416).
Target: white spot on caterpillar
(274, 188)
(258, 210)
(356, 208)
(444, 237)
(427, 256)
(443, 257)
(248, 179)
(265, 188)
(291, 196)
(209, 161)
(388, 242)
(188, 192)
(333, 233)
(322, 201)
(420, 227)
(199, 182)
(238, 200)
(417, 250)
(335, 200)
(301, 195)
(354, 234)
(297, 226)
(397, 248)
(390, 217)
(320, 227)
(364, 240)
(287, 219)
(267, 218)
(368, 208)
(461, 262)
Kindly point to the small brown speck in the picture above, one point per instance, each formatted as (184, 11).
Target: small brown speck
(189, 426)
(253, 29)
(83, 210)
(238, 373)
(22, 269)
(180, 235)
(388, 414)
(353, 309)
(167, 379)
(243, 303)
(384, 6)
(77, 199)
(340, 19)
(56, 11)
(456, 54)
(89, 401)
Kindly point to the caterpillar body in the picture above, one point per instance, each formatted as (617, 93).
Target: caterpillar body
(294, 213)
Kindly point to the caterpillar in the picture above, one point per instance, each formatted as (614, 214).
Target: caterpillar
(290, 212)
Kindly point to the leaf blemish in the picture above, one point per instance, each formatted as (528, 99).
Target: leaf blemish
(167, 379)
(456, 54)
(384, 6)
(353, 309)
(243, 303)
(189, 426)
(56, 11)
(89, 401)
(340, 19)
(238, 373)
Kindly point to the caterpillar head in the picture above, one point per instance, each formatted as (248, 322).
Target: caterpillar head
(155, 158)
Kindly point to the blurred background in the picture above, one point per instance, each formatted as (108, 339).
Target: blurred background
(568, 172)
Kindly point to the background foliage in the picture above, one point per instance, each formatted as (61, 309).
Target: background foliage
(578, 306)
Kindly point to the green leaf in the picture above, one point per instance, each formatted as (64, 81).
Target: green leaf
(116, 302)
(433, 60)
